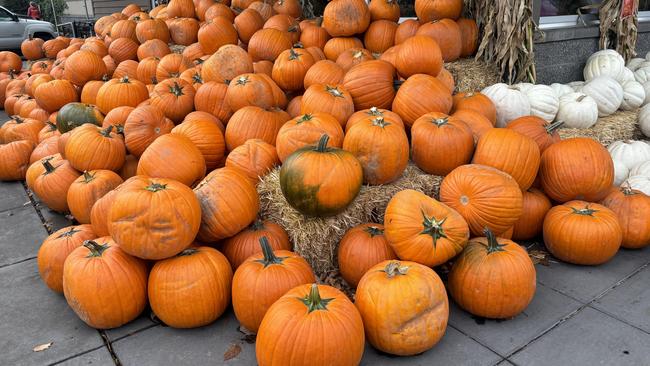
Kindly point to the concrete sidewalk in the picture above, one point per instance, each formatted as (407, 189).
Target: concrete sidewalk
(579, 316)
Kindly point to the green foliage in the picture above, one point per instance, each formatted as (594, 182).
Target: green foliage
(20, 7)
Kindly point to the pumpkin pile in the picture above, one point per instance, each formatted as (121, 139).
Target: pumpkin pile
(157, 155)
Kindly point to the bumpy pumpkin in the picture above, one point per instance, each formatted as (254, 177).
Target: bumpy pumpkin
(55, 249)
(262, 279)
(154, 218)
(311, 314)
(87, 189)
(176, 284)
(493, 278)
(405, 324)
(362, 247)
(343, 18)
(246, 243)
(632, 208)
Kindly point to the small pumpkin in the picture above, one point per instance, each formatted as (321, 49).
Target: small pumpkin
(337, 45)
(247, 23)
(32, 48)
(476, 102)
(216, 33)
(631, 208)
(362, 247)
(253, 122)
(429, 10)
(447, 34)
(18, 128)
(47, 147)
(469, 36)
(117, 118)
(100, 211)
(88, 189)
(371, 113)
(211, 98)
(268, 44)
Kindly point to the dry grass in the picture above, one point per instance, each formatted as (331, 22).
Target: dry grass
(472, 75)
(621, 125)
(316, 239)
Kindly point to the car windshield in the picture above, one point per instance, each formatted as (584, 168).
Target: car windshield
(5, 15)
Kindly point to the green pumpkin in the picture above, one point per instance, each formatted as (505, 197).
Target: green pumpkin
(319, 180)
(74, 115)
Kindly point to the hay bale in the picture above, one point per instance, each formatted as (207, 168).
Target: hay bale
(621, 125)
(316, 239)
(472, 75)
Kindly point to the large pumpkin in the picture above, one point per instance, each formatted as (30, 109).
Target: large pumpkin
(447, 34)
(255, 158)
(410, 104)
(493, 278)
(632, 208)
(576, 168)
(121, 92)
(88, 189)
(381, 147)
(306, 130)
(55, 249)
(583, 233)
(362, 247)
(229, 203)
(178, 287)
(83, 66)
(52, 185)
(143, 126)
(484, 196)
(262, 279)
(440, 143)
(74, 115)
(311, 322)
(343, 18)
(419, 55)
(404, 307)
(98, 273)
(247, 242)
(421, 229)
(306, 184)
(154, 218)
(91, 147)
(173, 156)
(529, 225)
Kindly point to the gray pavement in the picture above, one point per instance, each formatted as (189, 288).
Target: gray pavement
(579, 316)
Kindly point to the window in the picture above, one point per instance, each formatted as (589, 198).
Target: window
(566, 13)
(5, 16)
(566, 7)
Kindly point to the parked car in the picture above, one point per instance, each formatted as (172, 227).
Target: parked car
(14, 29)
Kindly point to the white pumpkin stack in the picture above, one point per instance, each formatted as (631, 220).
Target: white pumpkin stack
(631, 164)
(509, 101)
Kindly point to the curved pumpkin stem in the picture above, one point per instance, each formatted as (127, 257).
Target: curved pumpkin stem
(374, 231)
(395, 268)
(88, 177)
(333, 90)
(584, 211)
(493, 243)
(433, 228)
(322, 143)
(96, 250)
(68, 233)
(49, 168)
(293, 55)
(305, 117)
(269, 256)
(155, 187)
(554, 126)
(257, 225)
(314, 301)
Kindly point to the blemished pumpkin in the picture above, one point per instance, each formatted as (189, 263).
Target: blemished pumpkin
(45, 148)
(352, 57)
(18, 128)
(409, 104)
(188, 166)
(228, 201)
(97, 273)
(154, 218)
(87, 189)
(440, 143)
(15, 159)
(381, 147)
(423, 230)
(404, 307)
(484, 196)
(545, 134)
(255, 158)
(143, 126)
(262, 279)
(582, 233)
(343, 18)
(511, 152)
(476, 102)
(55, 249)
(632, 207)
(178, 285)
(362, 247)
(332, 99)
(91, 147)
(306, 184)
(529, 225)
(247, 242)
(493, 278)
(311, 314)
(576, 168)
(52, 185)
(254, 90)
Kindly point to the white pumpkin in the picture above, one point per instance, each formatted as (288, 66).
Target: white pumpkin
(607, 93)
(633, 95)
(644, 120)
(641, 169)
(639, 182)
(509, 102)
(576, 85)
(642, 74)
(646, 89)
(628, 75)
(543, 102)
(620, 172)
(647, 56)
(577, 110)
(524, 87)
(634, 63)
(561, 89)
(629, 152)
(604, 63)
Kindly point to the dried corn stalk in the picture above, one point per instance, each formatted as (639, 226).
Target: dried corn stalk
(506, 39)
(615, 32)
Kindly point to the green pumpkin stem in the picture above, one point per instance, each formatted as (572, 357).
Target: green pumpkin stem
(314, 301)
(257, 225)
(96, 249)
(187, 252)
(293, 55)
(48, 167)
(584, 211)
(322, 143)
(155, 187)
(374, 231)
(107, 131)
(88, 177)
(269, 256)
(395, 268)
(433, 227)
(304, 118)
(176, 89)
(73, 230)
(554, 126)
(493, 243)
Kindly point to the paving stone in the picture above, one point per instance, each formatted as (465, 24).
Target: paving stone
(21, 234)
(505, 363)
(588, 338)
(54, 219)
(12, 195)
(33, 315)
(142, 322)
(506, 336)
(454, 349)
(584, 283)
(202, 346)
(99, 356)
(630, 301)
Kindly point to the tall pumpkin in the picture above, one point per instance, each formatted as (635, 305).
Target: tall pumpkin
(404, 307)
(88, 189)
(244, 244)
(632, 208)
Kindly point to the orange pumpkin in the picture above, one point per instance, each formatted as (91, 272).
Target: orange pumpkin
(54, 94)
(171, 66)
(372, 113)
(90, 148)
(226, 64)
(255, 158)
(331, 99)
(429, 10)
(380, 35)
(247, 23)
(545, 134)
(32, 48)
(144, 125)
(175, 97)
(88, 189)
(10, 61)
(409, 104)
(337, 45)
(384, 9)
(151, 29)
(247, 242)
(121, 92)
(254, 90)
(469, 36)
(529, 225)
(371, 84)
(289, 7)
(183, 31)
(122, 49)
(254, 123)
(631, 207)
(15, 159)
(362, 247)
(189, 164)
(117, 118)
(204, 116)
(476, 102)
(290, 68)
(52, 185)
(207, 137)
(419, 55)
(153, 48)
(476, 122)
(268, 44)
(447, 34)
(216, 33)
(18, 128)
(406, 30)
(99, 214)
(305, 130)
(324, 72)
(314, 36)
(346, 17)
(83, 66)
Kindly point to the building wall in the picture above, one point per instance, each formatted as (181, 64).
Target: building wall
(76, 8)
(107, 7)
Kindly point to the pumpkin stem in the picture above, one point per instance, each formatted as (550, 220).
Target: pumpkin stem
(68, 233)
(493, 243)
(17, 119)
(322, 143)
(314, 301)
(305, 118)
(176, 89)
(298, 45)
(269, 256)
(554, 126)
(333, 90)
(107, 131)
(257, 225)
(293, 28)
(374, 111)
(96, 249)
(440, 121)
(48, 167)
(125, 79)
(293, 55)
(197, 79)
(626, 188)
(395, 268)
(584, 211)
(155, 187)
(51, 125)
(242, 80)
(105, 78)
(357, 54)
(397, 84)
(433, 228)
(88, 177)
(380, 122)
(374, 231)
(580, 98)
(187, 252)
